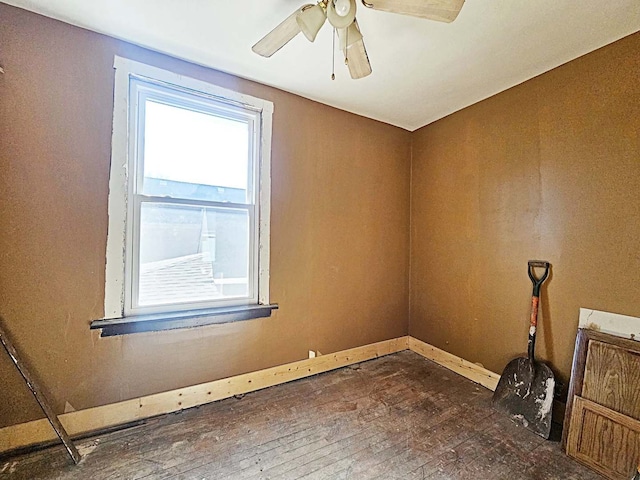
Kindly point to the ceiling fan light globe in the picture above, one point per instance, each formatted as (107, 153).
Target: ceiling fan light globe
(342, 7)
(310, 21)
(338, 21)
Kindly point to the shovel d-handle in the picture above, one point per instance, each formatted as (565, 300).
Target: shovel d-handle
(535, 300)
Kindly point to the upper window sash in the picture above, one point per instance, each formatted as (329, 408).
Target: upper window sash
(144, 89)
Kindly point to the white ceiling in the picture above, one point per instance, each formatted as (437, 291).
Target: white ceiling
(422, 70)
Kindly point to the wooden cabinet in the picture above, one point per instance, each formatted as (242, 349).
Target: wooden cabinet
(602, 424)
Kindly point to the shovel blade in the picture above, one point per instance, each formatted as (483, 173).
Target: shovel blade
(525, 394)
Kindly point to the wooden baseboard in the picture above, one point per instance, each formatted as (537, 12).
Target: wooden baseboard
(99, 418)
(473, 372)
(103, 417)
(469, 370)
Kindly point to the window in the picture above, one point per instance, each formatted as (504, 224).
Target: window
(189, 196)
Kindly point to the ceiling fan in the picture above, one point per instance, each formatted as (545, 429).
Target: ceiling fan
(341, 14)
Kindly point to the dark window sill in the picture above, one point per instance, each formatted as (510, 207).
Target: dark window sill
(187, 319)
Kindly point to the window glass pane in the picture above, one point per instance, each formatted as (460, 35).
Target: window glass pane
(192, 254)
(194, 155)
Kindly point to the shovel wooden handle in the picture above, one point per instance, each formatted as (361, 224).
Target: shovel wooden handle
(533, 320)
(535, 301)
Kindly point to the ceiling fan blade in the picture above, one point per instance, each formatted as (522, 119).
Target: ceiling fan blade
(439, 10)
(358, 60)
(349, 36)
(279, 36)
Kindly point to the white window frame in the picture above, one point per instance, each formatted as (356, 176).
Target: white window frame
(124, 201)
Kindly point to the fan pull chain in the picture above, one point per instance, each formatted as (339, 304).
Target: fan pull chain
(333, 55)
(346, 46)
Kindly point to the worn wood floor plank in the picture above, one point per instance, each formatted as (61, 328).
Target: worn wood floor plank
(348, 424)
(322, 413)
(395, 417)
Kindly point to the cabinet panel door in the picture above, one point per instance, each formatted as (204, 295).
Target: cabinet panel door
(612, 378)
(603, 439)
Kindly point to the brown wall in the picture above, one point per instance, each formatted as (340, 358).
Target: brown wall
(339, 230)
(549, 169)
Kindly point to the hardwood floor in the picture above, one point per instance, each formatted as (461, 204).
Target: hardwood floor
(396, 417)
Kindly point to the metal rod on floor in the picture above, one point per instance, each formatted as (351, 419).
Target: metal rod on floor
(41, 399)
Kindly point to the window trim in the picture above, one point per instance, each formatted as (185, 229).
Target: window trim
(122, 165)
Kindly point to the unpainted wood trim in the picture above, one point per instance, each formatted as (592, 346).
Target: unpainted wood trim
(98, 418)
(473, 372)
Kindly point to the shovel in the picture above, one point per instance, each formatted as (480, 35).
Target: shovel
(526, 387)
